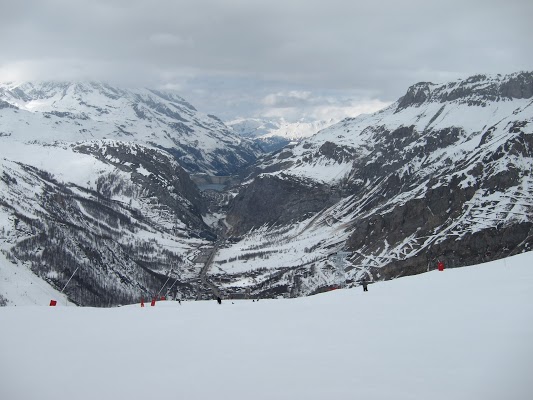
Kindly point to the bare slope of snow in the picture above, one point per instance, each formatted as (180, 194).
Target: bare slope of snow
(459, 334)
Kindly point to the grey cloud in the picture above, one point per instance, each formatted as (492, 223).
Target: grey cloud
(353, 48)
(293, 98)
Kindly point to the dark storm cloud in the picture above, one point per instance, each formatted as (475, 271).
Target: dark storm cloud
(236, 53)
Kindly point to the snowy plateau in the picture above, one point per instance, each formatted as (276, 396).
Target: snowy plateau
(462, 334)
(106, 194)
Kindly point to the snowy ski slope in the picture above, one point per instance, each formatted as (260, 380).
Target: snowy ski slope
(459, 334)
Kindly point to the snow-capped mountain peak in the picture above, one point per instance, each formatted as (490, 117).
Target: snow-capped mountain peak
(78, 111)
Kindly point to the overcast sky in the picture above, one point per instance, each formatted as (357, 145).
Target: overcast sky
(292, 58)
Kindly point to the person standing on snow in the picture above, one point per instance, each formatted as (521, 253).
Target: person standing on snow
(365, 285)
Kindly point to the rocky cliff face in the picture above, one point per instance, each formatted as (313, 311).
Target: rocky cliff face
(476, 90)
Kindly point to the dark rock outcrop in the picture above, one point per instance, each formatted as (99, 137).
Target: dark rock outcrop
(276, 200)
(476, 90)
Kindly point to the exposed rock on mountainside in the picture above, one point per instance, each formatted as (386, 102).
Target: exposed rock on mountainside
(276, 200)
(476, 90)
(152, 171)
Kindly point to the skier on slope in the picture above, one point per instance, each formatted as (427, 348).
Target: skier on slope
(365, 285)
(219, 300)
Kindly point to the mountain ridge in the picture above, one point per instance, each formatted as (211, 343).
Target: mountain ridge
(476, 89)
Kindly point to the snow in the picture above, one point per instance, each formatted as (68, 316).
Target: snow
(277, 127)
(459, 334)
(280, 249)
(19, 286)
(143, 171)
(360, 133)
(76, 112)
(323, 171)
(62, 162)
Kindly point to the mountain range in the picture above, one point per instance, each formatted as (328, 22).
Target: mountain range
(272, 134)
(96, 186)
(50, 112)
(444, 173)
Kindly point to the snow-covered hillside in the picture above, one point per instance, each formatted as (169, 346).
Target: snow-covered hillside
(93, 187)
(51, 112)
(459, 334)
(117, 218)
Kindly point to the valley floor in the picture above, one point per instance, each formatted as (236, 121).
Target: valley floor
(459, 334)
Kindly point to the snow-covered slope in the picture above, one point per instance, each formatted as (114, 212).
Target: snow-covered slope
(460, 334)
(443, 173)
(49, 112)
(21, 287)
